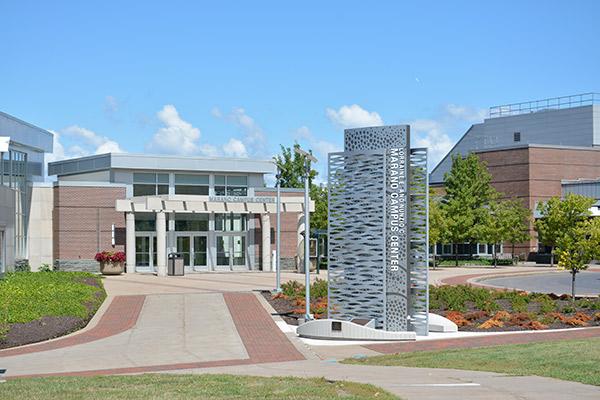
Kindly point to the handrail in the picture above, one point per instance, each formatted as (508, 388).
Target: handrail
(553, 103)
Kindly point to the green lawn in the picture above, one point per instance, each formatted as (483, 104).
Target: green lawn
(174, 387)
(572, 360)
(29, 296)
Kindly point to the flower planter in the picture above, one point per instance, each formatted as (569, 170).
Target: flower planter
(112, 268)
(111, 262)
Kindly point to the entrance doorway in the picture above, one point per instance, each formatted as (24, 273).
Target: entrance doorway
(194, 248)
(145, 253)
(231, 252)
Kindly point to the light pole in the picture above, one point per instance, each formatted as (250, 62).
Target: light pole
(278, 233)
(308, 158)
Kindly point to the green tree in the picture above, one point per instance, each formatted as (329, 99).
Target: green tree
(437, 224)
(292, 168)
(465, 204)
(318, 219)
(559, 217)
(292, 176)
(578, 247)
(518, 220)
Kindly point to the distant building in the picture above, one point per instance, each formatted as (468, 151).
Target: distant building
(534, 151)
(216, 212)
(22, 148)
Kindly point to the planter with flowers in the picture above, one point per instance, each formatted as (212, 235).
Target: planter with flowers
(111, 262)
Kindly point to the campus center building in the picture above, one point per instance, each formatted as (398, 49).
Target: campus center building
(216, 212)
(534, 150)
(22, 148)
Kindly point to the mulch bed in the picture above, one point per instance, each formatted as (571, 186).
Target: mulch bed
(48, 327)
(474, 318)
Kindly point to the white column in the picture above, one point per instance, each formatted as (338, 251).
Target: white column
(130, 242)
(265, 220)
(161, 244)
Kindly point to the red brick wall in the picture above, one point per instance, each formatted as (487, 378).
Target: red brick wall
(289, 227)
(534, 174)
(83, 218)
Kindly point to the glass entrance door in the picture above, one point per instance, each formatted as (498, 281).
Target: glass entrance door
(223, 251)
(183, 247)
(200, 250)
(231, 251)
(194, 249)
(145, 252)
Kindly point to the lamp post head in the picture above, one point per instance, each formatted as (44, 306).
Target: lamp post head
(305, 154)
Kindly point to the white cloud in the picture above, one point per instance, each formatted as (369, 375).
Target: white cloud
(111, 105)
(176, 136)
(235, 148)
(322, 147)
(465, 113)
(434, 133)
(89, 142)
(353, 116)
(254, 138)
(431, 134)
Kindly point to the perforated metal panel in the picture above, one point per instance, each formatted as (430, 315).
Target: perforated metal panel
(356, 236)
(378, 229)
(419, 247)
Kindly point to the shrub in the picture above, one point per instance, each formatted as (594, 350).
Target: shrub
(292, 288)
(502, 315)
(458, 318)
(534, 325)
(318, 289)
(45, 268)
(491, 323)
(475, 315)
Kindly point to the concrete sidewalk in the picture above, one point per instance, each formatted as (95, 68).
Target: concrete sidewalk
(424, 383)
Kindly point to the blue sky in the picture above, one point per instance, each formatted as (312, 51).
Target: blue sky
(240, 78)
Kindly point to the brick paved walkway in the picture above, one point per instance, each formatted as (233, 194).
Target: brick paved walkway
(483, 341)
(464, 279)
(262, 338)
(121, 315)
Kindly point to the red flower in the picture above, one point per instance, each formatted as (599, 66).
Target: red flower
(110, 256)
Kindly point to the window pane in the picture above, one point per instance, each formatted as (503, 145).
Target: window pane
(238, 223)
(139, 177)
(162, 178)
(189, 179)
(144, 190)
(219, 179)
(237, 191)
(219, 190)
(191, 222)
(163, 189)
(189, 189)
(237, 180)
(220, 222)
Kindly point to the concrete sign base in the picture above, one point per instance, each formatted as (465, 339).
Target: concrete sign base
(332, 329)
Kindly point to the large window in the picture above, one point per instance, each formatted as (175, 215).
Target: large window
(231, 185)
(145, 222)
(149, 184)
(231, 222)
(191, 184)
(191, 222)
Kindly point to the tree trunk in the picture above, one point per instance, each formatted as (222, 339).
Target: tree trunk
(573, 272)
(434, 255)
(513, 253)
(495, 256)
(552, 256)
(456, 254)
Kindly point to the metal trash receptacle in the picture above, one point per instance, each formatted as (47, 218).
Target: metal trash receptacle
(175, 265)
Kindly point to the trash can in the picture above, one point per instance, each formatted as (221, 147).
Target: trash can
(175, 265)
